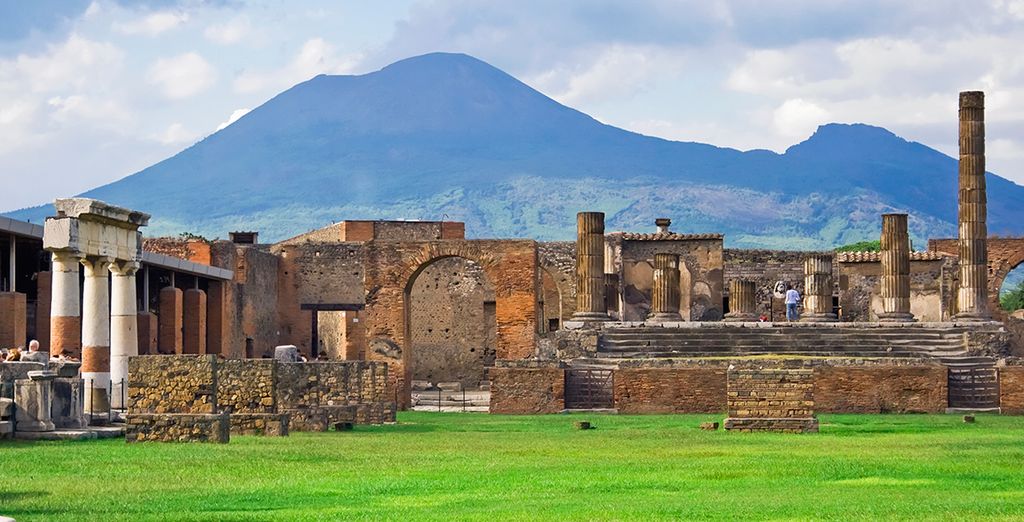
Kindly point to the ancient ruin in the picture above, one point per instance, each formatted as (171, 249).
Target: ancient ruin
(350, 322)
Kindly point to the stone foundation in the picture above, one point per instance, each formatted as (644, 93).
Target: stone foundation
(784, 425)
(177, 427)
(321, 418)
(267, 424)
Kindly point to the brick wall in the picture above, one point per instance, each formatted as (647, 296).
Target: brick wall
(880, 389)
(770, 392)
(670, 390)
(1011, 389)
(523, 390)
(12, 320)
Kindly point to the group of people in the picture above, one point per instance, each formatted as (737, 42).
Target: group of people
(33, 354)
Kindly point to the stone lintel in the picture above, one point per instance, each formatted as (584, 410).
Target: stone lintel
(93, 209)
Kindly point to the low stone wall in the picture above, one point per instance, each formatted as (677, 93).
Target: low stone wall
(267, 424)
(246, 386)
(881, 389)
(670, 390)
(176, 384)
(1011, 389)
(312, 385)
(526, 390)
(175, 427)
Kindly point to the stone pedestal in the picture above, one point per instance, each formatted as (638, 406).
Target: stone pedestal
(771, 399)
(972, 297)
(742, 301)
(32, 399)
(68, 406)
(665, 296)
(590, 280)
(895, 280)
(818, 289)
(287, 353)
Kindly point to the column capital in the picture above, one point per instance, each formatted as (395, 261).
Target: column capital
(124, 268)
(95, 266)
(67, 256)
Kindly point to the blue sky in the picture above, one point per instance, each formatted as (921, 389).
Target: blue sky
(94, 90)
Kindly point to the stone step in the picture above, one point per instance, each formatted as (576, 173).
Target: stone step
(699, 354)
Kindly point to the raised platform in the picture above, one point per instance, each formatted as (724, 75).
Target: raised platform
(94, 432)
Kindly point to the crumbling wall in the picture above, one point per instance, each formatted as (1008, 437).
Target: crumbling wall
(701, 264)
(766, 268)
(249, 303)
(860, 295)
(557, 261)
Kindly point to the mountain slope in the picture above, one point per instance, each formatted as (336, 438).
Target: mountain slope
(448, 136)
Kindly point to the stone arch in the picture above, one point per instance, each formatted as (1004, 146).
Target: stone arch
(1004, 256)
(391, 268)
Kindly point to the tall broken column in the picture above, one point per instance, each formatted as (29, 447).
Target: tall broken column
(96, 335)
(124, 335)
(665, 297)
(65, 312)
(972, 298)
(895, 257)
(590, 280)
(818, 289)
(742, 301)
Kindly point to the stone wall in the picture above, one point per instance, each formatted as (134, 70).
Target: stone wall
(527, 390)
(860, 298)
(1004, 254)
(1011, 388)
(765, 268)
(246, 386)
(313, 390)
(177, 427)
(771, 399)
(247, 307)
(557, 261)
(172, 384)
(700, 275)
(670, 390)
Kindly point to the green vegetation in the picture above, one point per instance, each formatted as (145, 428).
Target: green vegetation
(861, 246)
(1013, 299)
(463, 466)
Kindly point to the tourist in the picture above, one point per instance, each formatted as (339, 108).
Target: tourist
(792, 300)
(33, 354)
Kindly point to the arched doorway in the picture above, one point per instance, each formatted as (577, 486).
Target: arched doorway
(1011, 291)
(451, 324)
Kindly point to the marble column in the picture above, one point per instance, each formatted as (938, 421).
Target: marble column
(65, 312)
(972, 297)
(665, 296)
(590, 280)
(742, 301)
(895, 257)
(96, 335)
(124, 337)
(818, 289)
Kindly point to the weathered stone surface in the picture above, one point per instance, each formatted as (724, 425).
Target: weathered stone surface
(177, 427)
(246, 386)
(266, 424)
(32, 404)
(771, 399)
(783, 425)
(287, 353)
(68, 407)
(172, 384)
(881, 389)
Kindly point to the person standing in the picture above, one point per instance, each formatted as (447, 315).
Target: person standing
(792, 300)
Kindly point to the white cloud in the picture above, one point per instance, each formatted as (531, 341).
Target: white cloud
(238, 113)
(153, 24)
(177, 134)
(316, 56)
(80, 109)
(797, 118)
(182, 76)
(617, 72)
(230, 32)
(76, 63)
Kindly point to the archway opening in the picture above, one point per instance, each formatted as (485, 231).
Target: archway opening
(452, 325)
(1011, 292)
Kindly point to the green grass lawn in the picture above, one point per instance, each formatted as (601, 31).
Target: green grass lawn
(475, 466)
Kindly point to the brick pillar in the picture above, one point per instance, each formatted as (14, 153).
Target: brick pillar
(590, 280)
(12, 320)
(169, 321)
(96, 335)
(147, 329)
(194, 322)
(65, 310)
(818, 289)
(665, 296)
(972, 298)
(895, 287)
(43, 311)
(216, 333)
(742, 301)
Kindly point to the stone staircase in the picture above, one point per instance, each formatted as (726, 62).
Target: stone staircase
(880, 341)
(973, 384)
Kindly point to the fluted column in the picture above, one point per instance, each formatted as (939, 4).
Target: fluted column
(742, 301)
(65, 312)
(124, 337)
(818, 289)
(972, 297)
(96, 335)
(665, 297)
(895, 256)
(590, 280)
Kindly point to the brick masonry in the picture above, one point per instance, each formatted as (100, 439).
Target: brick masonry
(771, 399)
(1011, 389)
(670, 390)
(525, 390)
(193, 332)
(880, 389)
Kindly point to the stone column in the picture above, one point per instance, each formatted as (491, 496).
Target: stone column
(96, 335)
(65, 312)
(124, 337)
(665, 297)
(590, 280)
(972, 298)
(818, 289)
(742, 301)
(895, 258)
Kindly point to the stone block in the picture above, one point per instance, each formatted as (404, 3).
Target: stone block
(68, 406)
(784, 425)
(172, 384)
(6, 407)
(32, 398)
(178, 427)
(287, 353)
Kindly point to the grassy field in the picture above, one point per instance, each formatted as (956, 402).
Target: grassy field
(434, 466)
